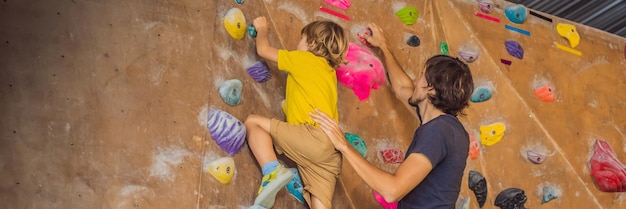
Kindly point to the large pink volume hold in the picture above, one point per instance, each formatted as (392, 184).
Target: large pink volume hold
(606, 170)
(363, 72)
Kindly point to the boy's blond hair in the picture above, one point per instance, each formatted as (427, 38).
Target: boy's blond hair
(328, 40)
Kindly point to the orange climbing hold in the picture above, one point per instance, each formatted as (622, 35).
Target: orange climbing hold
(474, 148)
(545, 93)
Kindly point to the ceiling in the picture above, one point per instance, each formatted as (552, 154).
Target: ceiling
(606, 15)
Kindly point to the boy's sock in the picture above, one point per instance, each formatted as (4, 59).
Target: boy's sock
(269, 167)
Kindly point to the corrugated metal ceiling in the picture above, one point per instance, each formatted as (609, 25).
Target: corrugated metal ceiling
(607, 15)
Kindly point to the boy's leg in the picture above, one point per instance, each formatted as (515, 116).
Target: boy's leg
(275, 176)
(259, 139)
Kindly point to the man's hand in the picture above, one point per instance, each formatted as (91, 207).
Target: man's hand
(331, 129)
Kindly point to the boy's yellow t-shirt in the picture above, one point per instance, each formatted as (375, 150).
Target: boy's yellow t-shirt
(311, 83)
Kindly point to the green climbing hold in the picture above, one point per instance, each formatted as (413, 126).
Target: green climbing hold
(444, 48)
(357, 143)
(408, 15)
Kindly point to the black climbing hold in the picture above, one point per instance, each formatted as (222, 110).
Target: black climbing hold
(413, 41)
(477, 183)
(511, 198)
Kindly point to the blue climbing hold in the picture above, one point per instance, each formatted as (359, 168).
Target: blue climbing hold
(239, 1)
(252, 31)
(548, 194)
(357, 143)
(481, 94)
(516, 13)
(230, 91)
(295, 186)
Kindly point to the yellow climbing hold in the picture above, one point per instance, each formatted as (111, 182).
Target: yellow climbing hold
(569, 32)
(491, 134)
(222, 169)
(408, 15)
(235, 23)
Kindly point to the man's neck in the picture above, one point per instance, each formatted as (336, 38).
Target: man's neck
(428, 112)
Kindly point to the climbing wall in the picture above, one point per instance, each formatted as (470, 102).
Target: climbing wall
(106, 103)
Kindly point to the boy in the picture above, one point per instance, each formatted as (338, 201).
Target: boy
(311, 84)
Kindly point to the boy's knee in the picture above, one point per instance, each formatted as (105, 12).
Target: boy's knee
(251, 120)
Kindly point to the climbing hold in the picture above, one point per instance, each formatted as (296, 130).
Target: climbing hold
(226, 130)
(235, 23)
(469, 52)
(384, 203)
(545, 93)
(519, 30)
(336, 14)
(392, 155)
(230, 91)
(252, 31)
(487, 17)
(477, 183)
(474, 148)
(511, 198)
(481, 94)
(485, 5)
(222, 169)
(514, 49)
(536, 157)
(568, 32)
(516, 13)
(260, 72)
(341, 4)
(413, 41)
(239, 1)
(443, 46)
(606, 170)
(295, 186)
(360, 35)
(357, 143)
(363, 72)
(506, 62)
(548, 194)
(408, 15)
(492, 134)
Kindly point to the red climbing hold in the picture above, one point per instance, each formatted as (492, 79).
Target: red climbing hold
(606, 170)
(392, 155)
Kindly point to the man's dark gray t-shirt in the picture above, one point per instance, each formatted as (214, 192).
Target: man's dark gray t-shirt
(445, 143)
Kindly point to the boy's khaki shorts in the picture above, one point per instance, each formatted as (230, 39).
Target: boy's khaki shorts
(318, 162)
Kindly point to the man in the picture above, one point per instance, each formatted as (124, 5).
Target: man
(431, 174)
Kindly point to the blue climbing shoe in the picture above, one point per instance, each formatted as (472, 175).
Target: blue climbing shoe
(295, 186)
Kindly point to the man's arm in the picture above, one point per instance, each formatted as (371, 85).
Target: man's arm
(263, 47)
(401, 83)
(391, 186)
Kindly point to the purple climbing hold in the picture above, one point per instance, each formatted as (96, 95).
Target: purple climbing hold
(485, 5)
(469, 52)
(514, 49)
(260, 72)
(535, 156)
(226, 130)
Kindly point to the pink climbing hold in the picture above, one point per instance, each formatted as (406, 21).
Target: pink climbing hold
(392, 155)
(362, 72)
(341, 4)
(360, 35)
(606, 170)
(384, 203)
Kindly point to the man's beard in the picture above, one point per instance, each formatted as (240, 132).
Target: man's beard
(415, 102)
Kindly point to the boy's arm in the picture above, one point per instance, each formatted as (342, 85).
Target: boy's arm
(401, 83)
(263, 47)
